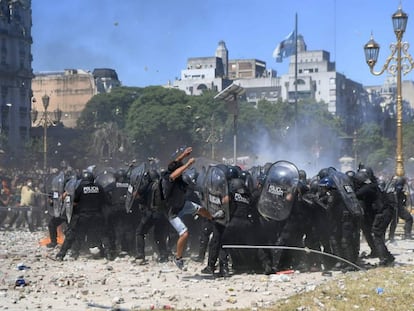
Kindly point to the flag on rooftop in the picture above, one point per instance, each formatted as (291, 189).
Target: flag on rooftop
(285, 48)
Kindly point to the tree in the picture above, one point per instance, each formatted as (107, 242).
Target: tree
(102, 123)
(158, 122)
(108, 107)
(372, 148)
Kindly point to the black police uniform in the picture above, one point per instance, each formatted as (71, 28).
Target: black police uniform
(152, 216)
(87, 219)
(117, 219)
(377, 216)
(400, 211)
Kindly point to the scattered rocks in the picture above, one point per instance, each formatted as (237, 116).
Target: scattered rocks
(122, 284)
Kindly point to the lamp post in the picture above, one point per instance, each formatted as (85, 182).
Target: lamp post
(45, 101)
(230, 96)
(400, 61)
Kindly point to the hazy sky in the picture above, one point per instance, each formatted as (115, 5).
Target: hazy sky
(148, 42)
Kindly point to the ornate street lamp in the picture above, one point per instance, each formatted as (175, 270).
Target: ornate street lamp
(230, 95)
(45, 101)
(400, 61)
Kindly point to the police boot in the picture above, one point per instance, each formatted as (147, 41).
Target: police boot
(52, 244)
(208, 270)
(224, 270)
(268, 269)
(407, 234)
(110, 254)
(201, 254)
(140, 247)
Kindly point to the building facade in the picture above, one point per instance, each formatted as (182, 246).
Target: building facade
(69, 91)
(15, 73)
(204, 73)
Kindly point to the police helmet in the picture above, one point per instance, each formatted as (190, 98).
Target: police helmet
(314, 185)
(368, 170)
(223, 167)
(233, 172)
(87, 176)
(327, 182)
(361, 177)
(350, 174)
(248, 179)
(154, 175)
(302, 175)
(323, 173)
(326, 172)
(190, 176)
(69, 173)
(237, 185)
(121, 175)
(400, 183)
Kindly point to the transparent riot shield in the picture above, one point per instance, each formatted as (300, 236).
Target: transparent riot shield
(216, 192)
(105, 179)
(136, 180)
(346, 190)
(58, 183)
(279, 191)
(70, 187)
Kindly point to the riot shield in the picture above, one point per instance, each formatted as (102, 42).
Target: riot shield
(105, 179)
(135, 182)
(116, 191)
(216, 189)
(70, 187)
(346, 190)
(58, 183)
(279, 191)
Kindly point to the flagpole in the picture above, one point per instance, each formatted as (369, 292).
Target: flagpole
(296, 79)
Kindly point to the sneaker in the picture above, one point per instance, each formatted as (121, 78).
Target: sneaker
(59, 256)
(179, 262)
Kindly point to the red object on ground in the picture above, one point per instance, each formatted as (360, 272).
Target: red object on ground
(286, 272)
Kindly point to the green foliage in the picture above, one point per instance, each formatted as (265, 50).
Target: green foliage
(108, 107)
(372, 148)
(408, 140)
(101, 111)
(157, 121)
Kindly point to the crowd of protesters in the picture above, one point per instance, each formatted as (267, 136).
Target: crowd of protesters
(22, 201)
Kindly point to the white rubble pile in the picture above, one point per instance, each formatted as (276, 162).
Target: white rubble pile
(31, 280)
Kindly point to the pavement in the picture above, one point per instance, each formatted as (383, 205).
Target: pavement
(124, 284)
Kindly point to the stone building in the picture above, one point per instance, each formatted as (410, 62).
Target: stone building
(15, 73)
(69, 91)
(204, 73)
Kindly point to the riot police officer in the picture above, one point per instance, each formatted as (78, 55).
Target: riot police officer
(400, 210)
(378, 211)
(87, 218)
(116, 217)
(153, 215)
